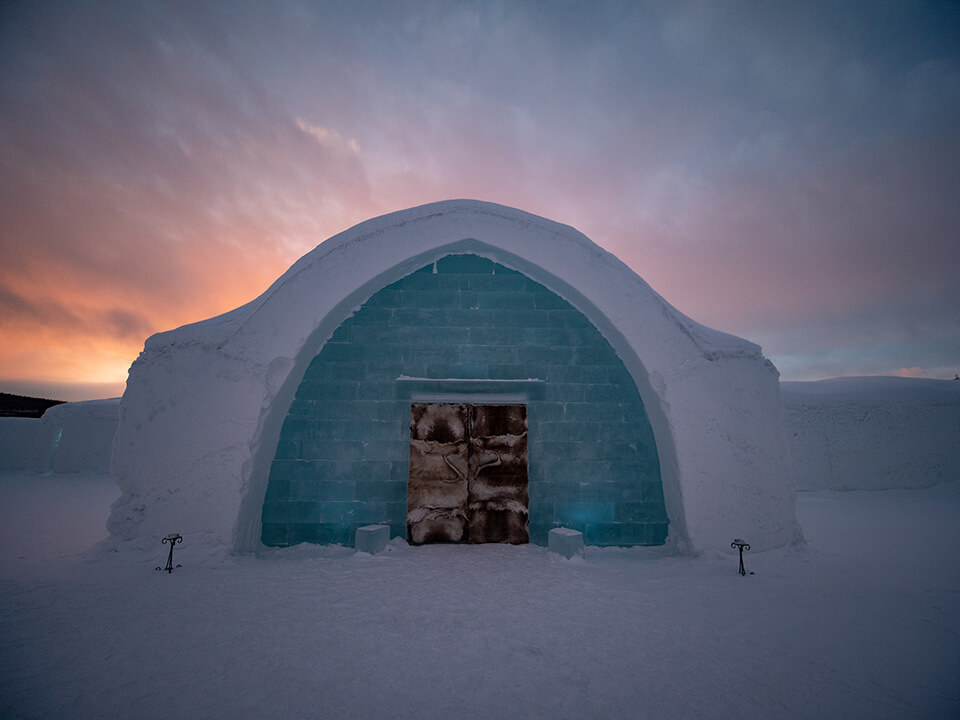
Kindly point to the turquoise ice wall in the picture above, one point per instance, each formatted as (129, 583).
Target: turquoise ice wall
(342, 458)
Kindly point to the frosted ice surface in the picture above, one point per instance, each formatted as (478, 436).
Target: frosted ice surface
(372, 538)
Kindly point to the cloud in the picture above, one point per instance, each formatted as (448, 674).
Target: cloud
(912, 372)
(779, 172)
(328, 138)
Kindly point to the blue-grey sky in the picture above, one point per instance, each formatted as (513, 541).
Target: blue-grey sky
(788, 172)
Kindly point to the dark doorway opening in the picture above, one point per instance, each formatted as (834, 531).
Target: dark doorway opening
(468, 474)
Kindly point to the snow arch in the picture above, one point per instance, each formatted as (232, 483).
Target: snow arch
(205, 403)
(466, 330)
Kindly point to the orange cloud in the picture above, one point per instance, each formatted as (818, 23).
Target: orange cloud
(911, 372)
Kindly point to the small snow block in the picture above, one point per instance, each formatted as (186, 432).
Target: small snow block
(372, 538)
(566, 542)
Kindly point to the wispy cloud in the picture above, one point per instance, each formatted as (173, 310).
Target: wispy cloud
(328, 138)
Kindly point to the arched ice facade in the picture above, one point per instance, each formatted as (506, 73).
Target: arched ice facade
(313, 409)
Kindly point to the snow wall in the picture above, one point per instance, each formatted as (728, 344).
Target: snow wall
(70, 437)
(204, 404)
(873, 433)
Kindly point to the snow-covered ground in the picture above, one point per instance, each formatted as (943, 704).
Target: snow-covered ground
(861, 622)
(872, 433)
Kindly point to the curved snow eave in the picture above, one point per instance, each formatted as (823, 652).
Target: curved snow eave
(211, 331)
(220, 330)
(365, 231)
(717, 344)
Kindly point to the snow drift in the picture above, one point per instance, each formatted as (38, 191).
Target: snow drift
(68, 438)
(872, 433)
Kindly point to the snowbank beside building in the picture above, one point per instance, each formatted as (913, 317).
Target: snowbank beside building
(872, 433)
(69, 438)
(24, 444)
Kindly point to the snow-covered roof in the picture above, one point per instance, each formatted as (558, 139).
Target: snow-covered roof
(557, 249)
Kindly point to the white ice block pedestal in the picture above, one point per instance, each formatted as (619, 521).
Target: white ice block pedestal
(566, 542)
(372, 538)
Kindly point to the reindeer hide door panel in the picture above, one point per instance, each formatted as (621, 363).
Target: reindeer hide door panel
(468, 474)
(497, 502)
(437, 486)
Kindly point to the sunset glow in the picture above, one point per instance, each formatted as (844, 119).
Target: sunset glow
(784, 172)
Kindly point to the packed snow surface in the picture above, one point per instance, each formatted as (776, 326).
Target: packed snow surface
(861, 622)
(872, 433)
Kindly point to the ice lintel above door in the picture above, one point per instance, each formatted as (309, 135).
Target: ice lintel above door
(469, 390)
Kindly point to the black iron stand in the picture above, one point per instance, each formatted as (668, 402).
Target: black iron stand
(738, 543)
(173, 540)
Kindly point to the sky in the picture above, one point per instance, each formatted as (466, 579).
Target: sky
(786, 172)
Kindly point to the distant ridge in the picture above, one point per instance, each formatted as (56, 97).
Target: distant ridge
(24, 406)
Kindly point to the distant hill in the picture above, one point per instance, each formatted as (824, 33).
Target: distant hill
(23, 406)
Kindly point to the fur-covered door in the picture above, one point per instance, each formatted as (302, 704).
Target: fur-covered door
(468, 474)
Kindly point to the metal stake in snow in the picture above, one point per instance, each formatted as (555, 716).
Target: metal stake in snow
(738, 543)
(173, 540)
